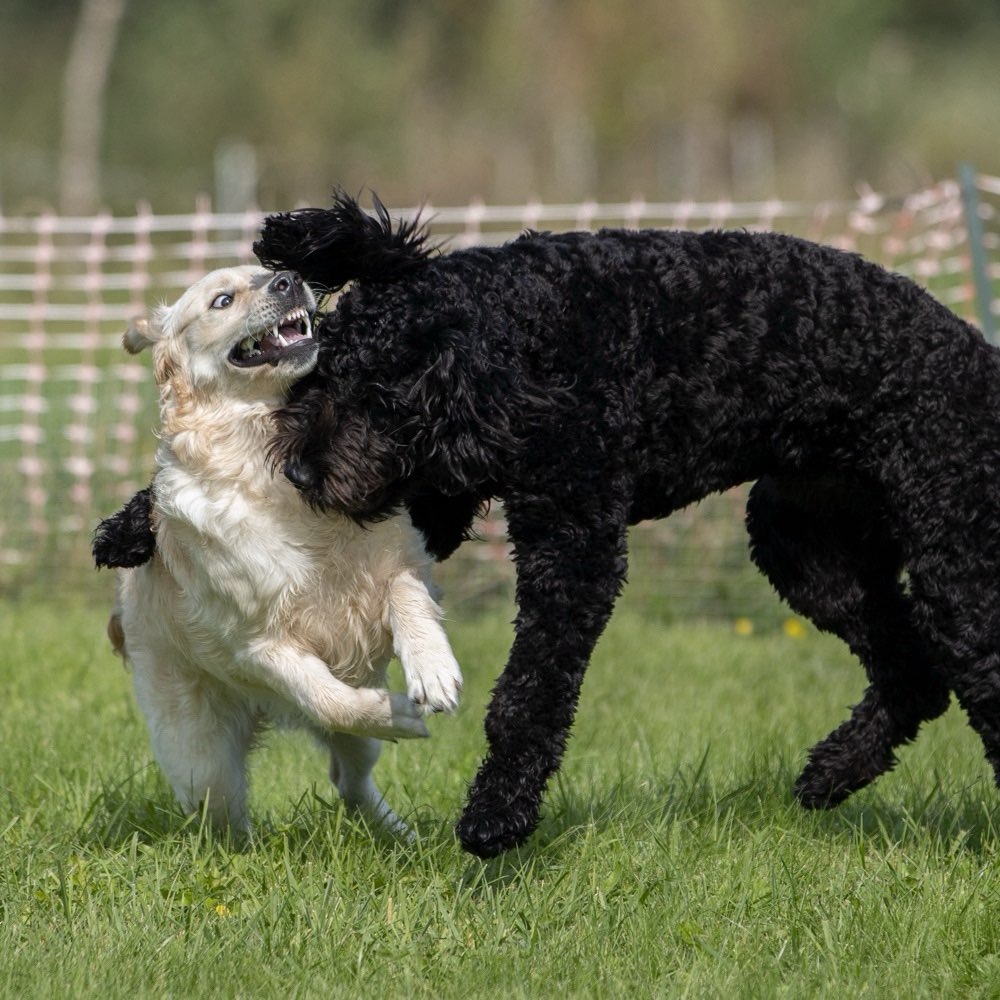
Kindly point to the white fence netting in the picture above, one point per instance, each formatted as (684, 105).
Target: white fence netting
(77, 415)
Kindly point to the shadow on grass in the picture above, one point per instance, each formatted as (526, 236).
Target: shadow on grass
(140, 808)
(130, 808)
(964, 820)
(632, 805)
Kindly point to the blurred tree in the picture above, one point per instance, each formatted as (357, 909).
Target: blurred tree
(84, 83)
(508, 99)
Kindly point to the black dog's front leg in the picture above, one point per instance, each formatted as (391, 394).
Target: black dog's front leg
(570, 570)
(126, 538)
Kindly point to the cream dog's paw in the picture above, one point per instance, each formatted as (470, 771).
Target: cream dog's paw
(406, 720)
(435, 684)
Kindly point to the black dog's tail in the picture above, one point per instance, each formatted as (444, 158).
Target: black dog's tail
(332, 246)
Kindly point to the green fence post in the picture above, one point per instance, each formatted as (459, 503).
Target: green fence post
(977, 252)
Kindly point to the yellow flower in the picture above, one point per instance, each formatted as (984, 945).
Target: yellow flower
(743, 626)
(793, 628)
(222, 910)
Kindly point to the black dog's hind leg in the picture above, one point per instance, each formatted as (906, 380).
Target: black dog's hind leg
(958, 608)
(977, 688)
(571, 564)
(826, 552)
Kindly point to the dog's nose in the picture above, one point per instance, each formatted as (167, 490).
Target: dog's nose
(285, 282)
(299, 474)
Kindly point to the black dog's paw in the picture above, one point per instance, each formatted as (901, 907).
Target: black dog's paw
(819, 791)
(836, 770)
(487, 834)
(502, 811)
(126, 538)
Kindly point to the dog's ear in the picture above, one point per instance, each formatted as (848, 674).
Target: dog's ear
(459, 409)
(144, 332)
(331, 246)
(138, 336)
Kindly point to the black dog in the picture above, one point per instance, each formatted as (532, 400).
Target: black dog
(592, 381)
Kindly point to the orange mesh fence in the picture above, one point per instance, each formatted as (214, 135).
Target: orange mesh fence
(77, 415)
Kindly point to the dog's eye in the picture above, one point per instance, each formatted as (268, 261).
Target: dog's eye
(223, 301)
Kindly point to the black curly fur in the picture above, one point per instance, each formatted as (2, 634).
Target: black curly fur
(333, 246)
(126, 538)
(592, 381)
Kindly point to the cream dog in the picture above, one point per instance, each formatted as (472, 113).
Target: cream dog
(256, 608)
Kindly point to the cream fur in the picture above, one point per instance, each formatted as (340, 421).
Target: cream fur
(254, 607)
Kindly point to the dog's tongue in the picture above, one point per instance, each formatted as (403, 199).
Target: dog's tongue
(291, 333)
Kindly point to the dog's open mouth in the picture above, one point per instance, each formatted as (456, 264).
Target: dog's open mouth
(290, 335)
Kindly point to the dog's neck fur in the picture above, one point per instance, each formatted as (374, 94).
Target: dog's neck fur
(195, 437)
(213, 482)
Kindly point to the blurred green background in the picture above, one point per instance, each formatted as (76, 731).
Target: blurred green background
(108, 102)
(117, 104)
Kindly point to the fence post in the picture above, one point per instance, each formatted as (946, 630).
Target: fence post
(977, 251)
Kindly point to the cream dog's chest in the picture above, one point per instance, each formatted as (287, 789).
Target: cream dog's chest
(267, 566)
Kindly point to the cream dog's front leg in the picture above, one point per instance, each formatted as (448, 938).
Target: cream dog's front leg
(305, 681)
(433, 676)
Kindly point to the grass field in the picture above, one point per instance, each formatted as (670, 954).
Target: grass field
(671, 860)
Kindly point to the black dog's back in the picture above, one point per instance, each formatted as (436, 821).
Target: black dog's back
(708, 359)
